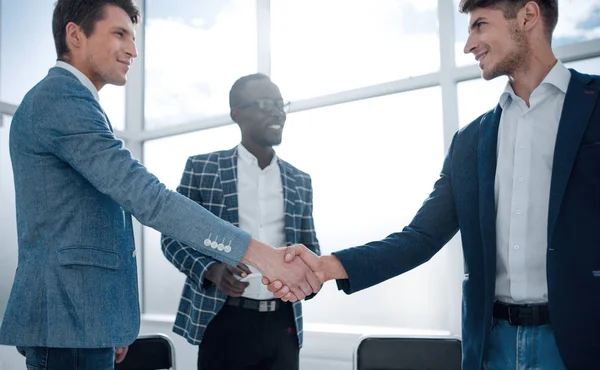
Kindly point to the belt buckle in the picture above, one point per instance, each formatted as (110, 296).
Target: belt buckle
(267, 306)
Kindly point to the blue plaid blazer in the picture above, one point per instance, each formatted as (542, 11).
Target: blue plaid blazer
(211, 180)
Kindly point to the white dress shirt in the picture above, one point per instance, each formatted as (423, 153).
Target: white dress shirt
(526, 140)
(81, 77)
(260, 209)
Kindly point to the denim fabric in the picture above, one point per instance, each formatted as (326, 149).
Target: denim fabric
(76, 189)
(521, 348)
(43, 358)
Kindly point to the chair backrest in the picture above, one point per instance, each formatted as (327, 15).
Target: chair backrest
(149, 352)
(404, 353)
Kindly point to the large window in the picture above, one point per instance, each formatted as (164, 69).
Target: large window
(320, 47)
(27, 46)
(373, 162)
(195, 50)
(586, 66)
(112, 99)
(475, 97)
(28, 53)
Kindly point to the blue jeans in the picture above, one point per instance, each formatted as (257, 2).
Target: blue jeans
(521, 348)
(43, 358)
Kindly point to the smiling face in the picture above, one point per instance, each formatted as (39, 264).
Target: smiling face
(497, 43)
(261, 116)
(104, 56)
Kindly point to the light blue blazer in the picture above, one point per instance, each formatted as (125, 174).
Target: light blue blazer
(76, 189)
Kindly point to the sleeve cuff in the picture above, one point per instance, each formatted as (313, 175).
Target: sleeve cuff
(344, 284)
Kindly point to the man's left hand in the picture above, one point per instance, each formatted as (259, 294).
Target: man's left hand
(120, 353)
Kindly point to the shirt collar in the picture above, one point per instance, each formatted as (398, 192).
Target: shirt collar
(559, 76)
(249, 157)
(81, 77)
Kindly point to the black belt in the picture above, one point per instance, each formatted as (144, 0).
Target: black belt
(253, 304)
(522, 315)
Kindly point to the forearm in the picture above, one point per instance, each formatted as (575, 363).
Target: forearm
(89, 147)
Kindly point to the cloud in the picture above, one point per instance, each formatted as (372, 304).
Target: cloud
(189, 69)
(345, 45)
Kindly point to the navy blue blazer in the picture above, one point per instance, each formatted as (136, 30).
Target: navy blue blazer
(463, 198)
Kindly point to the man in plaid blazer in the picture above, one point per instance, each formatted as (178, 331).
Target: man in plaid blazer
(238, 324)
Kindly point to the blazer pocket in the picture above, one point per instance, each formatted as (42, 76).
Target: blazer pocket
(88, 256)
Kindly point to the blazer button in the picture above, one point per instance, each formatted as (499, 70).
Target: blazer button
(227, 248)
(213, 245)
(207, 242)
(133, 253)
(220, 246)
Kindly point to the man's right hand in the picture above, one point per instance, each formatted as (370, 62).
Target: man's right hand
(325, 268)
(224, 277)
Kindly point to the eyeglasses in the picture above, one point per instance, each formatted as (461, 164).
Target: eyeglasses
(268, 105)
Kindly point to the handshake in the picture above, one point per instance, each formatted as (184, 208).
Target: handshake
(292, 273)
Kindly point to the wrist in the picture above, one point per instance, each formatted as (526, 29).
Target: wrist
(256, 255)
(333, 268)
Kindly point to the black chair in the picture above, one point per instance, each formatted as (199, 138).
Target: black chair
(404, 353)
(149, 352)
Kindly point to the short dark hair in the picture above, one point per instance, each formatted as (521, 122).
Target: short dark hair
(236, 94)
(84, 13)
(548, 9)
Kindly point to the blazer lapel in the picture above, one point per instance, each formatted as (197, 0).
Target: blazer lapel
(228, 176)
(487, 156)
(290, 194)
(577, 109)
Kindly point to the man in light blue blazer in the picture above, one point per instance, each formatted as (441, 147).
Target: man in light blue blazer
(254, 189)
(74, 297)
(522, 184)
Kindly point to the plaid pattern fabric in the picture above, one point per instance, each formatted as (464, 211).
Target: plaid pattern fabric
(211, 181)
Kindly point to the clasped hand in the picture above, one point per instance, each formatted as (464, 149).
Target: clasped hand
(309, 263)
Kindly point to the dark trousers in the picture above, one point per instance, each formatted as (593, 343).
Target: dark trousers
(244, 339)
(42, 358)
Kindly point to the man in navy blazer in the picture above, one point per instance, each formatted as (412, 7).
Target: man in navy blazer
(74, 297)
(254, 189)
(522, 184)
